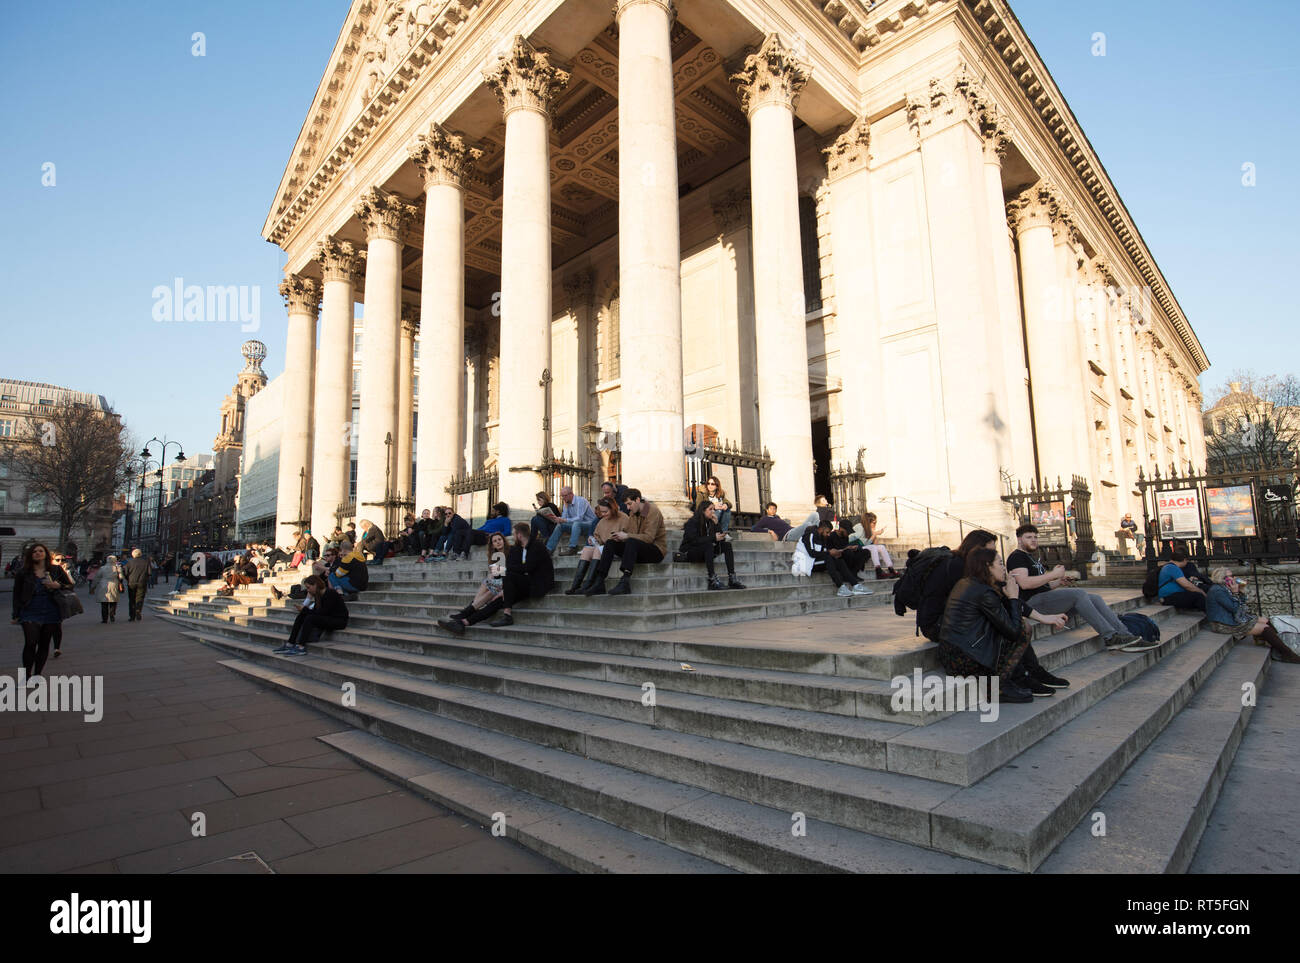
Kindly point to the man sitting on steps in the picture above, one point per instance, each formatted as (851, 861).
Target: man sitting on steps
(1052, 593)
(323, 610)
(640, 539)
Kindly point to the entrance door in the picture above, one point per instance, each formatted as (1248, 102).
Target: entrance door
(821, 449)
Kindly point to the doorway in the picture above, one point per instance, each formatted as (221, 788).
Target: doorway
(821, 449)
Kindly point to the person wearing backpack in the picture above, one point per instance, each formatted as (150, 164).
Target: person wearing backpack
(1173, 586)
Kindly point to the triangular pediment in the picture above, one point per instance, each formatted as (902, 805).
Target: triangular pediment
(377, 37)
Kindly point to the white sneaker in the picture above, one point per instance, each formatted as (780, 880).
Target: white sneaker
(861, 589)
(844, 591)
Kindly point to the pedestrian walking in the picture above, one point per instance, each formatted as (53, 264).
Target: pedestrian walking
(34, 607)
(106, 587)
(137, 582)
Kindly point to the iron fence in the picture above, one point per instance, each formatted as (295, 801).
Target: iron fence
(480, 488)
(849, 487)
(745, 474)
(1064, 531)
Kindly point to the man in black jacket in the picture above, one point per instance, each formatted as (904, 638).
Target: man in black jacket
(323, 610)
(529, 575)
(136, 572)
(702, 542)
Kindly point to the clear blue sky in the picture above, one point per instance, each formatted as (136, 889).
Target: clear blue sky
(166, 163)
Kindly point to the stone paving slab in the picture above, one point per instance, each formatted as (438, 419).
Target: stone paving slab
(180, 735)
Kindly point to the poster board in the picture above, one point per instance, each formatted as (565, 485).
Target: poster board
(747, 499)
(465, 505)
(478, 508)
(1179, 513)
(1232, 511)
(1049, 519)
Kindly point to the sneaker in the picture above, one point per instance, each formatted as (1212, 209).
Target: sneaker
(296, 650)
(1142, 645)
(1116, 642)
(844, 591)
(1012, 692)
(1034, 686)
(861, 589)
(735, 583)
(283, 649)
(715, 584)
(502, 620)
(1039, 674)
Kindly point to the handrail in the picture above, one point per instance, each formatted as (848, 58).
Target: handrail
(962, 523)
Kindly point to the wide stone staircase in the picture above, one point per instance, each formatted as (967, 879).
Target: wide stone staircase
(683, 730)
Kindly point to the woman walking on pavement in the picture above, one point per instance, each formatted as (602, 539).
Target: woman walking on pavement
(106, 587)
(34, 607)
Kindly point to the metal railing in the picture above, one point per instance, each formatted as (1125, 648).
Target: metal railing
(1062, 513)
(470, 484)
(745, 474)
(566, 469)
(849, 486)
(931, 515)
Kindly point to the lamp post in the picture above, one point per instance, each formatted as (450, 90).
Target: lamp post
(162, 459)
(143, 465)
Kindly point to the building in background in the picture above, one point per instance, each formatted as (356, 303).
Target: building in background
(29, 514)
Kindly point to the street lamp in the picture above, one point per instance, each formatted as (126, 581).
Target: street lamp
(162, 458)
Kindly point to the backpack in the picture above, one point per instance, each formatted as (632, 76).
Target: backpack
(910, 589)
(1139, 624)
(1151, 584)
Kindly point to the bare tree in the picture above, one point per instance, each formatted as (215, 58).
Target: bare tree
(75, 455)
(1256, 420)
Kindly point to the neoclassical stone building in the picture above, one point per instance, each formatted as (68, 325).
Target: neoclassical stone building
(814, 227)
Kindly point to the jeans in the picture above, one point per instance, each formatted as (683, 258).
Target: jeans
(180, 584)
(1088, 607)
(578, 530)
(629, 552)
(880, 556)
(36, 646)
(719, 548)
(342, 584)
(837, 569)
(724, 520)
(1185, 600)
(310, 625)
(542, 527)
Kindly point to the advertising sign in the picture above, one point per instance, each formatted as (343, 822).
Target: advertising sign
(1179, 513)
(1232, 511)
(1049, 519)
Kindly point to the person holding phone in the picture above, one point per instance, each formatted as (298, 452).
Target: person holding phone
(1226, 612)
(34, 607)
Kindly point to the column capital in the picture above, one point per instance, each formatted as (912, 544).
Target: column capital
(443, 157)
(338, 259)
(731, 210)
(410, 318)
(770, 75)
(525, 79)
(849, 151)
(301, 295)
(578, 288)
(385, 215)
(668, 6)
(1040, 206)
(956, 98)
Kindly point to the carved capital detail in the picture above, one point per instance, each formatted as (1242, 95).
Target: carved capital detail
(442, 157)
(731, 210)
(301, 295)
(849, 151)
(524, 79)
(384, 215)
(1040, 206)
(669, 7)
(578, 289)
(339, 260)
(770, 75)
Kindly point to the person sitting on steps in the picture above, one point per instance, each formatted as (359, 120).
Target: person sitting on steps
(712, 492)
(772, 523)
(577, 518)
(610, 521)
(1052, 593)
(1176, 588)
(322, 611)
(703, 541)
(529, 575)
(813, 543)
(640, 538)
(489, 590)
(349, 574)
(983, 632)
(1226, 612)
(869, 532)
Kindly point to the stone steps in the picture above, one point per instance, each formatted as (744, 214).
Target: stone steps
(479, 772)
(1156, 812)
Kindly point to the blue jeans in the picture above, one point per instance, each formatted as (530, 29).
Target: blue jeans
(724, 520)
(577, 532)
(342, 584)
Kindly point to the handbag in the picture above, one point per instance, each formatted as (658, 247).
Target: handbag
(1288, 627)
(68, 603)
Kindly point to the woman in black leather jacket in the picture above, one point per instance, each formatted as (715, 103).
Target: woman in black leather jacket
(983, 629)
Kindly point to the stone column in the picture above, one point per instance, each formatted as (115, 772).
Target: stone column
(385, 217)
(293, 492)
(856, 296)
(406, 399)
(332, 444)
(649, 259)
(1052, 341)
(769, 85)
(1009, 327)
(443, 160)
(524, 82)
(579, 291)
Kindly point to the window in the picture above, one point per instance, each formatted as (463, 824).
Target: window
(352, 479)
(8, 397)
(36, 503)
(46, 401)
(356, 380)
(6, 427)
(4, 500)
(188, 474)
(4, 471)
(356, 346)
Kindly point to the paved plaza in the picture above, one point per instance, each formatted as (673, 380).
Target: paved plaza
(182, 735)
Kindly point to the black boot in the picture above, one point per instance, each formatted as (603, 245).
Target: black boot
(624, 586)
(578, 577)
(595, 584)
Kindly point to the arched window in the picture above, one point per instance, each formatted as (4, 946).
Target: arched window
(697, 435)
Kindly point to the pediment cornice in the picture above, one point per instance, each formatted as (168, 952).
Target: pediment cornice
(392, 42)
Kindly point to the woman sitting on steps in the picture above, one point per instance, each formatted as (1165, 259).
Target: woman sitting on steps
(489, 590)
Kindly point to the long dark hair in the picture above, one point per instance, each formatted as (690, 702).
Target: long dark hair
(28, 564)
(976, 539)
(979, 565)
